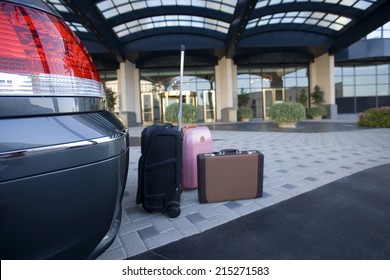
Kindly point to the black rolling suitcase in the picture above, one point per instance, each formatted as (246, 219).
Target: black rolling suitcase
(159, 169)
(160, 165)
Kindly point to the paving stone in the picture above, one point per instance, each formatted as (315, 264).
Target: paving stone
(329, 172)
(161, 223)
(187, 210)
(226, 212)
(134, 226)
(232, 204)
(312, 179)
(252, 207)
(124, 219)
(345, 167)
(184, 226)
(148, 232)
(141, 214)
(245, 202)
(132, 244)
(195, 218)
(265, 194)
(283, 171)
(162, 239)
(113, 254)
(206, 210)
(212, 222)
(289, 186)
(132, 210)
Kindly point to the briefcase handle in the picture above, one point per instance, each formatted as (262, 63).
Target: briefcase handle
(229, 151)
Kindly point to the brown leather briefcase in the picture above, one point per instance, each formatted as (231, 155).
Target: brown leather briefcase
(230, 175)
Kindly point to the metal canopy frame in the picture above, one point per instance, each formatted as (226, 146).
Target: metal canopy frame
(138, 30)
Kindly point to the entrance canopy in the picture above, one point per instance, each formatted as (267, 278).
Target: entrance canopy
(149, 32)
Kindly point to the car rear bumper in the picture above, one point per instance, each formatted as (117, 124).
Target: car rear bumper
(61, 187)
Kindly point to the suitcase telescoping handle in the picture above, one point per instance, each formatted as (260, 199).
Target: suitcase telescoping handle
(182, 49)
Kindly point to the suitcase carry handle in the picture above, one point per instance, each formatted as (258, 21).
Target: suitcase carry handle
(229, 151)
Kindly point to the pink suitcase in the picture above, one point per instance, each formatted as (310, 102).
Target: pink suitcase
(196, 140)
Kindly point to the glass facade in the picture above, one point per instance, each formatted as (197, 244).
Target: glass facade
(361, 87)
(358, 4)
(113, 8)
(160, 88)
(355, 81)
(326, 20)
(285, 83)
(381, 32)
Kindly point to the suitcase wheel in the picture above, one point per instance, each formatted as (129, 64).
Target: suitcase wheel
(173, 210)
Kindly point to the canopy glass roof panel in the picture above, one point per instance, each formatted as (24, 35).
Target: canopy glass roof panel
(326, 20)
(358, 4)
(57, 4)
(170, 21)
(112, 8)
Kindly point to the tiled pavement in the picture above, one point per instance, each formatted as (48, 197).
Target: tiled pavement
(294, 163)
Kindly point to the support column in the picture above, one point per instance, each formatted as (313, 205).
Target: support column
(129, 93)
(226, 90)
(322, 74)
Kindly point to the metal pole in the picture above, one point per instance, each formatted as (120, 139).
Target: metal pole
(179, 117)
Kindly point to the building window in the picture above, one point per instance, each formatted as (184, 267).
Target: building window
(160, 87)
(361, 87)
(255, 81)
(370, 80)
(380, 33)
(251, 80)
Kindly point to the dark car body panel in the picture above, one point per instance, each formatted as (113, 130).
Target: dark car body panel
(63, 157)
(61, 184)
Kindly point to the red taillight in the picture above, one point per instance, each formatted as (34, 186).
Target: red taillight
(36, 45)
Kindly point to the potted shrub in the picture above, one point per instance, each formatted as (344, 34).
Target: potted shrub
(244, 113)
(242, 99)
(302, 98)
(287, 114)
(110, 99)
(318, 111)
(189, 114)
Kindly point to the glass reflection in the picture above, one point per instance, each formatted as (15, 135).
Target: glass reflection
(161, 87)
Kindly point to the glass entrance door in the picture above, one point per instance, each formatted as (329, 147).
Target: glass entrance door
(147, 108)
(208, 98)
(270, 97)
(170, 97)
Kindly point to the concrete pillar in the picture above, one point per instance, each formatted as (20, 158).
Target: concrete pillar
(322, 74)
(226, 90)
(129, 93)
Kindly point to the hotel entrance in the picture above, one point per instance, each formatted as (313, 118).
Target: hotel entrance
(148, 108)
(170, 97)
(206, 106)
(271, 96)
(160, 87)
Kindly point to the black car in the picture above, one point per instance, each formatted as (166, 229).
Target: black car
(63, 157)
